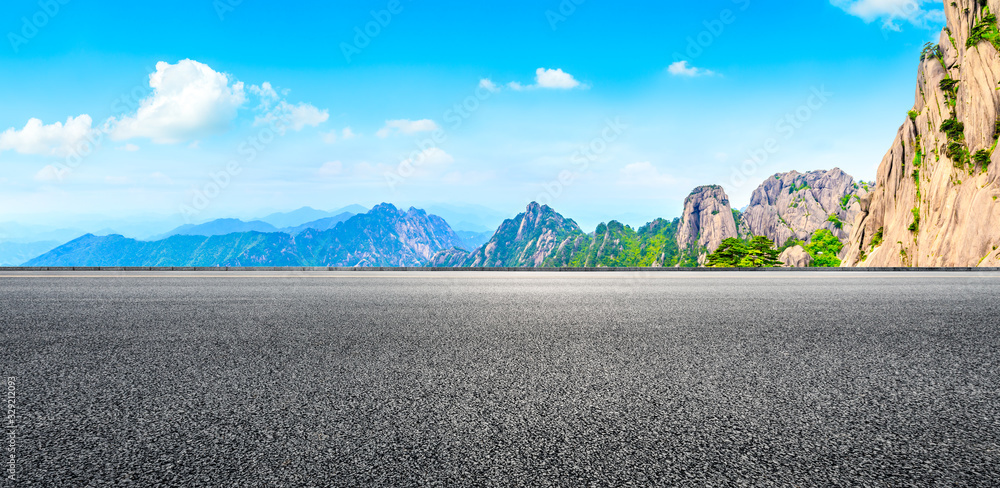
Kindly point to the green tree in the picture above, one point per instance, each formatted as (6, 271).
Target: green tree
(824, 248)
(759, 252)
(729, 254)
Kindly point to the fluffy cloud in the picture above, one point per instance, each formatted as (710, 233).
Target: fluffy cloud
(645, 174)
(406, 127)
(555, 78)
(56, 139)
(890, 12)
(295, 116)
(189, 99)
(51, 174)
(552, 79)
(681, 68)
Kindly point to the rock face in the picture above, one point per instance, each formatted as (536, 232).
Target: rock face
(540, 237)
(532, 239)
(795, 257)
(795, 205)
(707, 220)
(935, 201)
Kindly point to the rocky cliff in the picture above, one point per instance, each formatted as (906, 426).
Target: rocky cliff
(538, 237)
(794, 205)
(935, 197)
(541, 237)
(706, 222)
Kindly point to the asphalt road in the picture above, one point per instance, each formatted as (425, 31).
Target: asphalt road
(534, 379)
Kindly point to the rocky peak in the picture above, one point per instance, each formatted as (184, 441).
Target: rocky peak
(935, 198)
(795, 205)
(707, 219)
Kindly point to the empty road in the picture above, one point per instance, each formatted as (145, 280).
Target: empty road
(500, 379)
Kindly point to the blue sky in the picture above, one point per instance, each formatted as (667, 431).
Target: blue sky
(600, 109)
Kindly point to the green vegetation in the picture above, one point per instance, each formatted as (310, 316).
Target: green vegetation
(836, 221)
(955, 148)
(737, 217)
(796, 186)
(982, 158)
(985, 30)
(913, 114)
(915, 226)
(758, 252)
(824, 248)
(950, 88)
(844, 201)
(877, 238)
(931, 51)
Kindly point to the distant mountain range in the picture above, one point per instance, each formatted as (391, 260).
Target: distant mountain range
(297, 218)
(786, 207)
(384, 236)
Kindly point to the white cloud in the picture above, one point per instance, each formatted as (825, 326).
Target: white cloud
(890, 12)
(489, 85)
(644, 174)
(128, 148)
(552, 79)
(56, 139)
(348, 134)
(681, 68)
(189, 99)
(430, 156)
(332, 168)
(555, 78)
(295, 116)
(51, 174)
(406, 127)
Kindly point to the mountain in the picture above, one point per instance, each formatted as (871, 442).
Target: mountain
(385, 236)
(16, 253)
(219, 227)
(935, 201)
(707, 221)
(321, 224)
(541, 237)
(794, 205)
(300, 216)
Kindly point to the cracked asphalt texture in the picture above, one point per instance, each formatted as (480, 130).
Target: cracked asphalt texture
(501, 379)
